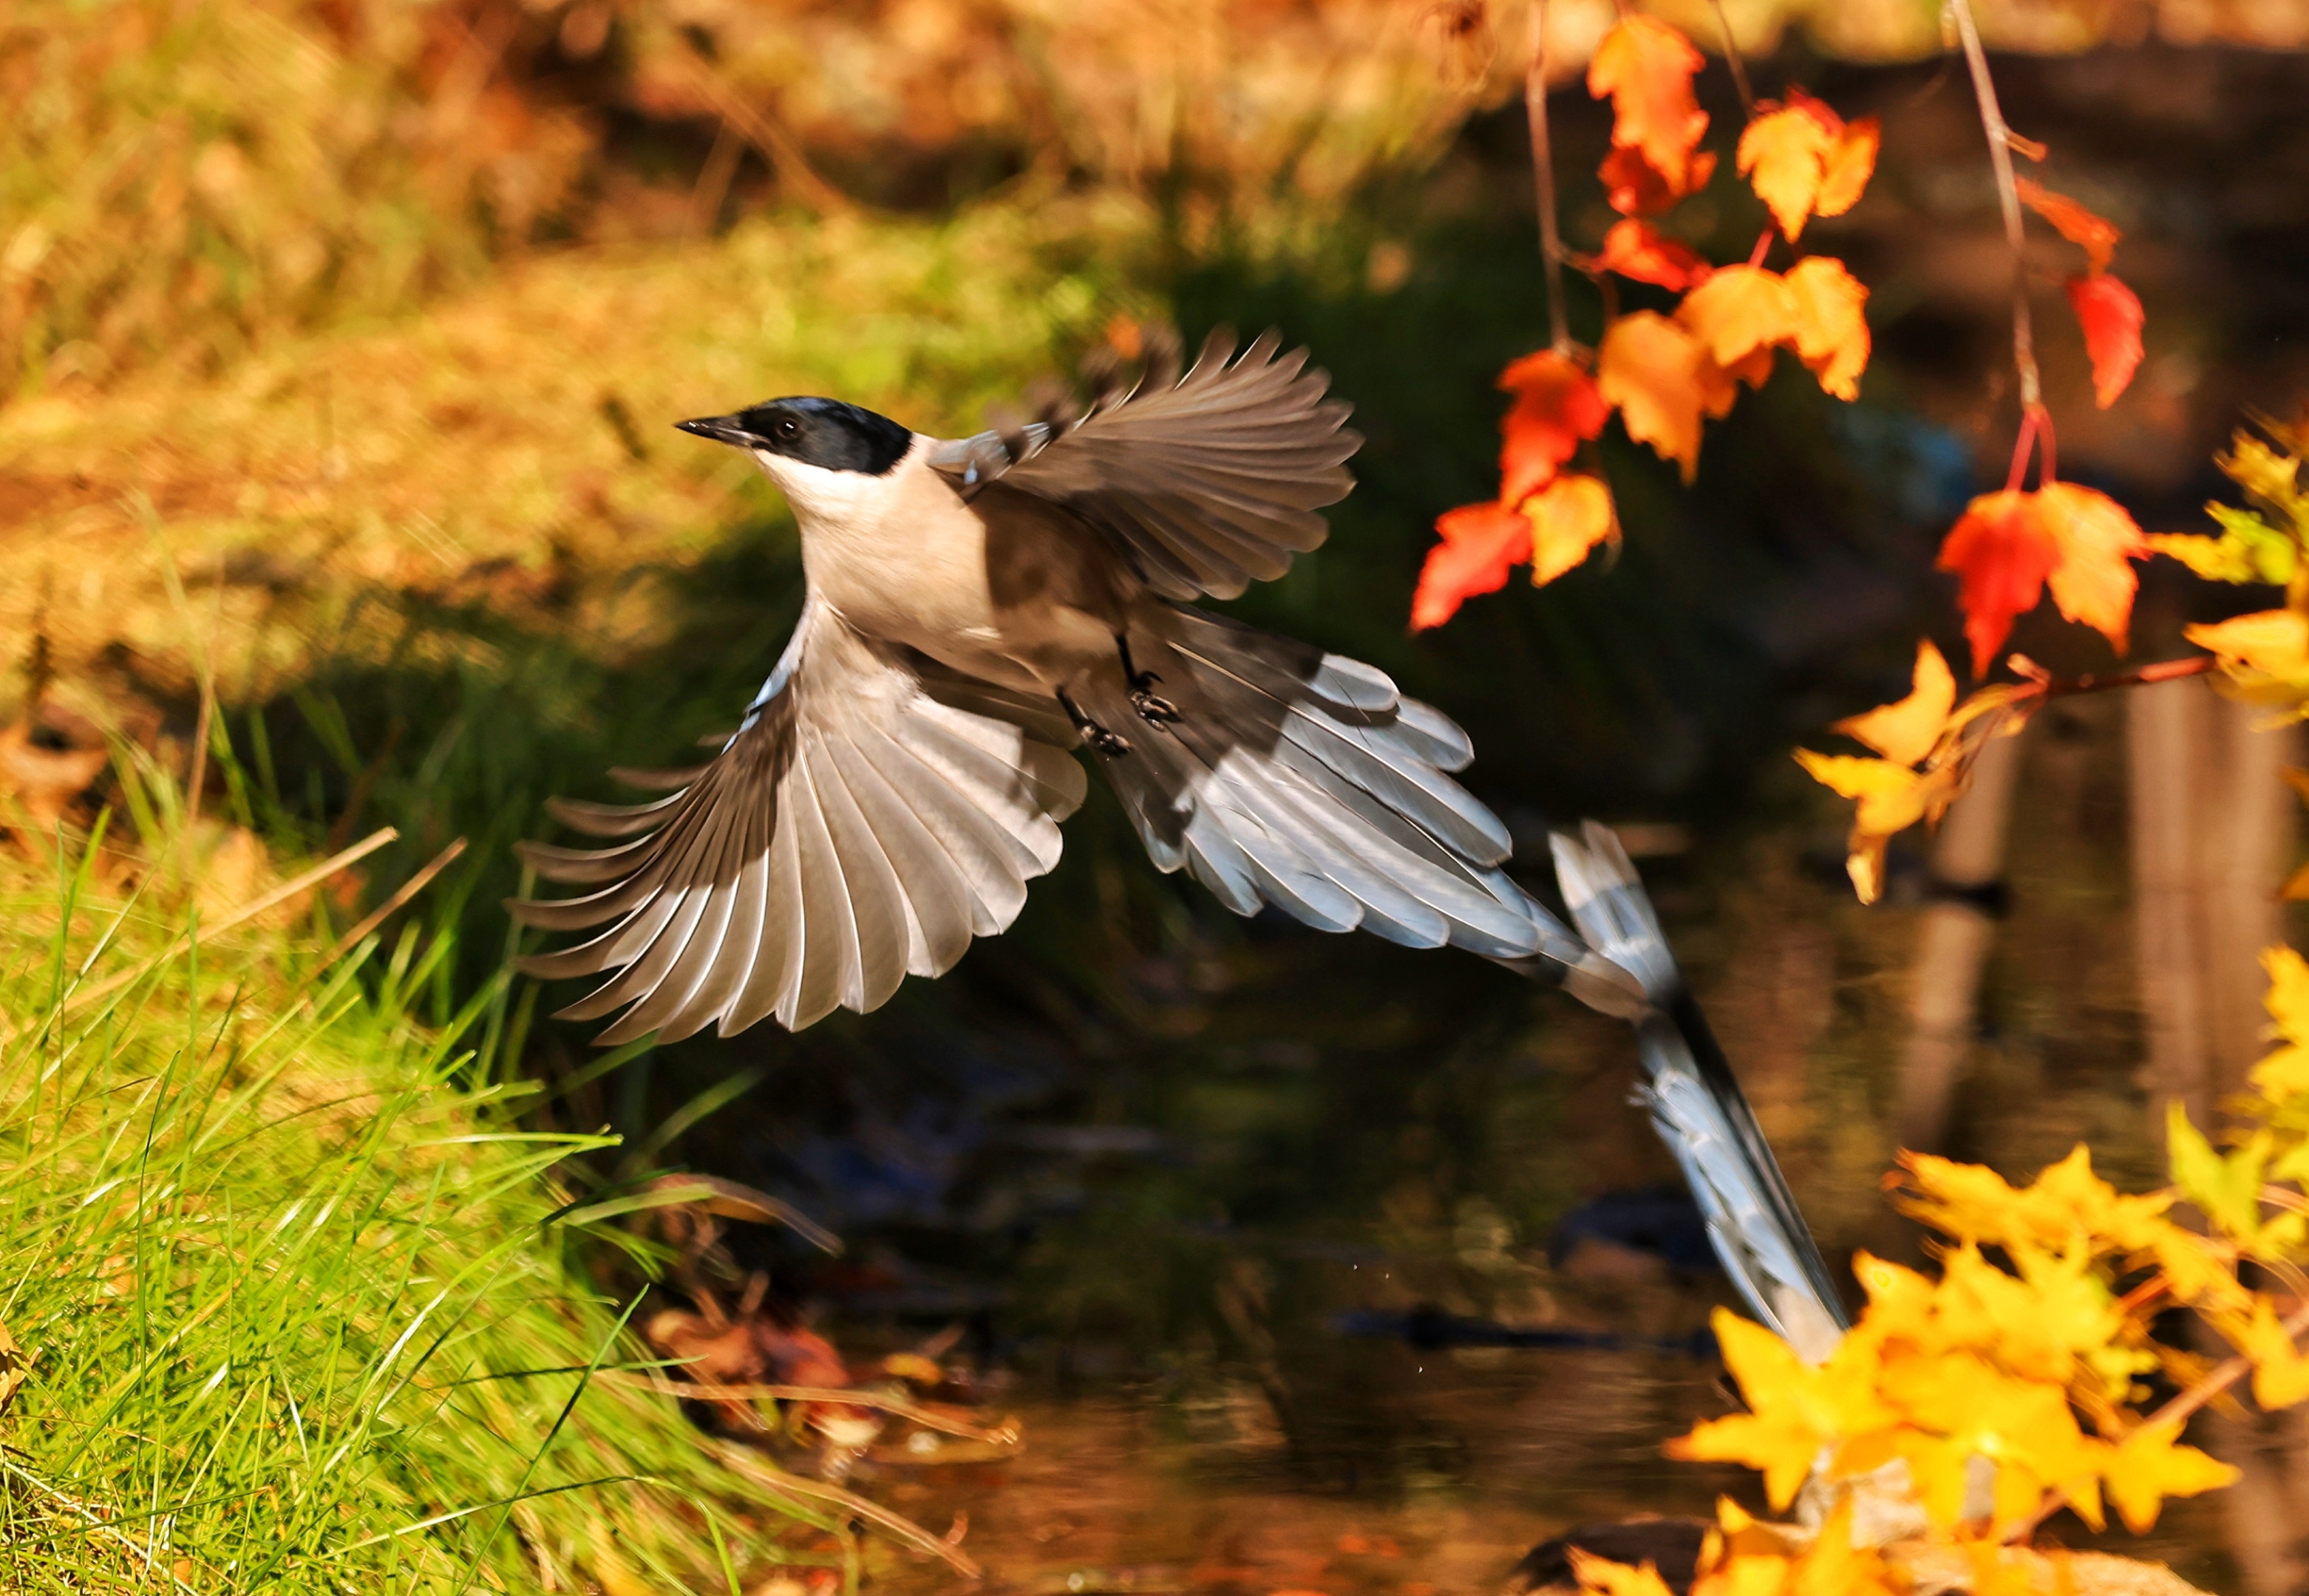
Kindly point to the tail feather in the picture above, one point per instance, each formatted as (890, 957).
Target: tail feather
(1304, 780)
(1698, 1105)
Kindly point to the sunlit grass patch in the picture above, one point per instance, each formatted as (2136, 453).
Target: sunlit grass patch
(293, 1307)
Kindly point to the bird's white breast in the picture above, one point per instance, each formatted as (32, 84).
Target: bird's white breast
(898, 555)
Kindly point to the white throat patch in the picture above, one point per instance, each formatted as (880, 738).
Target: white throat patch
(822, 497)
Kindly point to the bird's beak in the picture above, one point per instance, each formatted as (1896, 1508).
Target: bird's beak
(722, 430)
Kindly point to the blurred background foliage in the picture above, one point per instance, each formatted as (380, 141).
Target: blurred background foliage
(338, 343)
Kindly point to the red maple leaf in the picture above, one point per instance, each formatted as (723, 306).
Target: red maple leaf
(2110, 314)
(1637, 249)
(1556, 406)
(1481, 543)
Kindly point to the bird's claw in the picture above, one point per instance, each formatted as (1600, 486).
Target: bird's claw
(1105, 742)
(1158, 713)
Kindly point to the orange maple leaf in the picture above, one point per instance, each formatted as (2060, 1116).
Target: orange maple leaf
(1737, 311)
(1633, 187)
(1556, 406)
(1831, 332)
(1645, 67)
(1663, 381)
(2007, 547)
(1480, 543)
(2094, 234)
(1803, 160)
(1636, 249)
(2110, 315)
(1568, 518)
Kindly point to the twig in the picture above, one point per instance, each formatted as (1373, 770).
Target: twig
(1542, 173)
(746, 1465)
(2219, 1379)
(280, 894)
(1006, 1435)
(2007, 193)
(407, 889)
(1732, 59)
(770, 140)
(2148, 675)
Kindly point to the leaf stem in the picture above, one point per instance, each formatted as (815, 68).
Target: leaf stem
(1543, 171)
(2148, 675)
(2007, 193)
(1732, 59)
(2218, 1379)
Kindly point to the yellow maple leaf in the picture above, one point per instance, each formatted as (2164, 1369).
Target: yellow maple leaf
(1826, 304)
(1737, 311)
(1833, 1567)
(2149, 1467)
(2264, 656)
(2067, 1205)
(2094, 582)
(1892, 798)
(1568, 518)
(1783, 154)
(2285, 1072)
(1906, 731)
(1603, 1578)
(1663, 381)
(1850, 162)
(2281, 1374)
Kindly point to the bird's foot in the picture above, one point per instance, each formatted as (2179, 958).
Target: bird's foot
(1157, 711)
(1096, 737)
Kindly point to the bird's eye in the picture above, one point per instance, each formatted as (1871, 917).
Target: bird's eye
(787, 428)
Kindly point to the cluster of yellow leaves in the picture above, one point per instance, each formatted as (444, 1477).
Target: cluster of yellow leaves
(1667, 375)
(2264, 656)
(2028, 1349)
(1743, 1558)
(1927, 745)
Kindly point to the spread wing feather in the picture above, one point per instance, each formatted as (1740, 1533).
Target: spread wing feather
(859, 828)
(1206, 483)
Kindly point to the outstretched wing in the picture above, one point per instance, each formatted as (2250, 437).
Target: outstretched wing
(1207, 483)
(861, 826)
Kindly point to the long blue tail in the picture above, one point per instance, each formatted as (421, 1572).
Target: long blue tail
(1697, 1105)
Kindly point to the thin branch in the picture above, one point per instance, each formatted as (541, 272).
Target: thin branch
(1004, 1435)
(1999, 157)
(2219, 1379)
(2148, 675)
(1732, 59)
(1543, 172)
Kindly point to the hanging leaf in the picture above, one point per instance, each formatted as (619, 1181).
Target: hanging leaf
(2096, 236)
(1568, 520)
(1663, 381)
(1645, 67)
(1557, 405)
(1906, 731)
(1633, 187)
(1803, 160)
(1831, 324)
(1737, 311)
(2007, 545)
(1635, 249)
(1481, 543)
(2110, 315)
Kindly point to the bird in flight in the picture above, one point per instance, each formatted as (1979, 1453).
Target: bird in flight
(978, 610)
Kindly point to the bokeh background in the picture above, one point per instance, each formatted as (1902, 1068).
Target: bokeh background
(340, 341)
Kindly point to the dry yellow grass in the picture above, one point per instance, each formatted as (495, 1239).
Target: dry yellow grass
(512, 437)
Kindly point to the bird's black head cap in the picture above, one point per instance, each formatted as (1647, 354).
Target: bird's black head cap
(819, 432)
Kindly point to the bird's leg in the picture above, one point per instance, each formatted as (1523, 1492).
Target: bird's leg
(1098, 736)
(1157, 712)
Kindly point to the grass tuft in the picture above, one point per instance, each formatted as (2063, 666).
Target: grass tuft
(294, 1308)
